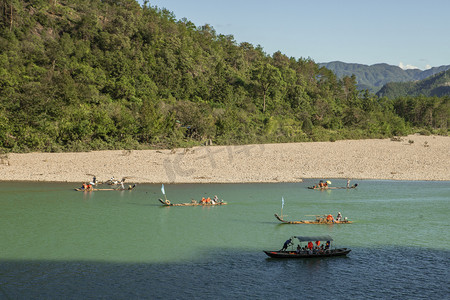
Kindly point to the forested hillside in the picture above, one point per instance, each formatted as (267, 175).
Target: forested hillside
(374, 77)
(81, 75)
(437, 85)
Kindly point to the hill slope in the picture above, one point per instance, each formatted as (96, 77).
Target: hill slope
(80, 75)
(374, 77)
(436, 85)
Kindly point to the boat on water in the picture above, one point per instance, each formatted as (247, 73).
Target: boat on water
(311, 248)
(113, 181)
(315, 187)
(192, 203)
(204, 202)
(320, 219)
(90, 188)
(93, 185)
(326, 186)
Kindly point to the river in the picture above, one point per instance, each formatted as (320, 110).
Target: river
(61, 244)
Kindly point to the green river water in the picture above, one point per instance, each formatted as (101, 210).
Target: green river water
(51, 235)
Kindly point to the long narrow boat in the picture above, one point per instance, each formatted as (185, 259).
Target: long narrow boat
(305, 252)
(318, 220)
(192, 203)
(129, 188)
(333, 187)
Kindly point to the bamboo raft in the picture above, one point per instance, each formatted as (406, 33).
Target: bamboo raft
(130, 187)
(333, 187)
(317, 221)
(192, 203)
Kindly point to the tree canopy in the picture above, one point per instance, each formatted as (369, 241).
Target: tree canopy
(110, 74)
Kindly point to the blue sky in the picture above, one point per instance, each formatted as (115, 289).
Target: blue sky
(406, 33)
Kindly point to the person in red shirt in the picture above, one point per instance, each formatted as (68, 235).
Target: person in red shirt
(330, 218)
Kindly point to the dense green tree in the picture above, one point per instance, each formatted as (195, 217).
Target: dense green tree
(266, 76)
(105, 74)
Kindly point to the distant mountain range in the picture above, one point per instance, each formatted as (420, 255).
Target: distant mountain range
(374, 77)
(434, 85)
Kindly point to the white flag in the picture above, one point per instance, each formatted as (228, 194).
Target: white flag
(282, 202)
(162, 190)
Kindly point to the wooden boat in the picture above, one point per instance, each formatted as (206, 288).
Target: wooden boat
(129, 188)
(318, 220)
(332, 187)
(304, 252)
(192, 203)
(113, 181)
(294, 254)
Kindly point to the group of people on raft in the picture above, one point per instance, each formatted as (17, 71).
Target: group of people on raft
(324, 185)
(90, 186)
(210, 201)
(310, 248)
(87, 187)
(321, 185)
(331, 219)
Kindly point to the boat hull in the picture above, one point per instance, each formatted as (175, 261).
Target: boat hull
(93, 189)
(311, 222)
(304, 254)
(168, 203)
(332, 188)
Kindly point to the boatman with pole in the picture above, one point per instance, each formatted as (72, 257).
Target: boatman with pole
(286, 244)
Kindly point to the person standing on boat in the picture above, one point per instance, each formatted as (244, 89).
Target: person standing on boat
(286, 244)
(310, 245)
(317, 244)
(339, 216)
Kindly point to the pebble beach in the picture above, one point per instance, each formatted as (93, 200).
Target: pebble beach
(413, 157)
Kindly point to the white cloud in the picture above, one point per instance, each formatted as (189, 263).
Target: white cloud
(427, 67)
(406, 67)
